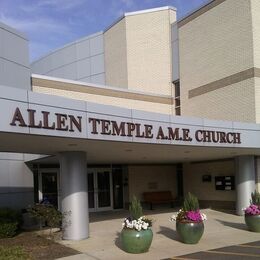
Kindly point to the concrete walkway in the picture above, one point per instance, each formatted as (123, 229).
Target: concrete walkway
(221, 230)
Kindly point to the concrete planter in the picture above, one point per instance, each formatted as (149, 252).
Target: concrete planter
(190, 232)
(253, 222)
(136, 242)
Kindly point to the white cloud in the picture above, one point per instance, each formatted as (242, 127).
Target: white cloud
(128, 3)
(35, 25)
(61, 4)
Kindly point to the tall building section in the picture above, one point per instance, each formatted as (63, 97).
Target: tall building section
(217, 62)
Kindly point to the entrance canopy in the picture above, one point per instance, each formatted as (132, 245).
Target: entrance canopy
(45, 124)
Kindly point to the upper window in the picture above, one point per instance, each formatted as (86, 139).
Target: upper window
(177, 98)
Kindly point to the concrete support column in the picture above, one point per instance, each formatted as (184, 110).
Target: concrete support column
(245, 181)
(74, 196)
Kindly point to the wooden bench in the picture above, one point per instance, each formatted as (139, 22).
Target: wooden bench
(158, 197)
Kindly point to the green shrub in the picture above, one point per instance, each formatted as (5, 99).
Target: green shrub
(255, 198)
(8, 229)
(135, 208)
(14, 252)
(47, 214)
(190, 203)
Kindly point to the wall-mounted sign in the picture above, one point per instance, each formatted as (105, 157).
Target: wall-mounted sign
(225, 182)
(62, 122)
(55, 121)
(131, 129)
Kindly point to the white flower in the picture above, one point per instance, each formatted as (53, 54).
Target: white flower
(173, 218)
(138, 224)
(203, 216)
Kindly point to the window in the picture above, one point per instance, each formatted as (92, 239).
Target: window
(177, 111)
(177, 98)
(177, 88)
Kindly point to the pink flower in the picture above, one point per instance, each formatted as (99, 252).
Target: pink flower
(194, 216)
(252, 210)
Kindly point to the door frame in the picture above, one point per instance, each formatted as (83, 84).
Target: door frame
(95, 173)
(49, 170)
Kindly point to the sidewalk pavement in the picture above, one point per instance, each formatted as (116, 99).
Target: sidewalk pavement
(221, 230)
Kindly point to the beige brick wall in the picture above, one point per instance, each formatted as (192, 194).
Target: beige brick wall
(149, 51)
(257, 99)
(213, 46)
(234, 102)
(138, 52)
(192, 179)
(257, 185)
(255, 8)
(143, 177)
(106, 100)
(115, 55)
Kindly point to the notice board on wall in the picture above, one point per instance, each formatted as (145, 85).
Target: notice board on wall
(225, 182)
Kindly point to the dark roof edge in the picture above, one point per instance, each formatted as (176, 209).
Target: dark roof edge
(199, 11)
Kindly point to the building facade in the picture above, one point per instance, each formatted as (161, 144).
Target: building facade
(152, 103)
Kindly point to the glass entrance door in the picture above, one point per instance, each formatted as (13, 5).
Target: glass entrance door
(48, 186)
(99, 189)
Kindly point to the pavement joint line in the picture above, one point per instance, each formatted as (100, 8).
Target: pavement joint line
(232, 253)
(182, 258)
(248, 246)
(91, 256)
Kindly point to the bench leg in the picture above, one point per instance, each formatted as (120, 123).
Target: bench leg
(172, 205)
(151, 206)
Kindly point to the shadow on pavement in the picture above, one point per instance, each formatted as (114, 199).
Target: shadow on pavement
(239, 226)
(169, 233)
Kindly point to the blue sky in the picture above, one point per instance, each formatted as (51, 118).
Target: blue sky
(50, 24)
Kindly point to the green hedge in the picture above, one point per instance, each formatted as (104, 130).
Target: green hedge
(8, 229)
(10, 220)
